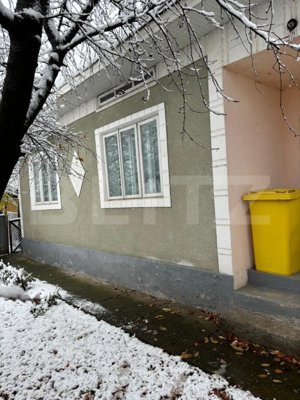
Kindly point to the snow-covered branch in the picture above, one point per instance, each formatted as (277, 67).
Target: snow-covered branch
(6, 17)
(238, 11)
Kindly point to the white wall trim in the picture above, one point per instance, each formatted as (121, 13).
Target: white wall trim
(215, 44)
(20, 202)
(77, 173)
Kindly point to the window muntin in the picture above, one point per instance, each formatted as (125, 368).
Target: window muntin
(44, 188)
(132, 161)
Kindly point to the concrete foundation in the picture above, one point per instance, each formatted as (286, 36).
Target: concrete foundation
(187, 285)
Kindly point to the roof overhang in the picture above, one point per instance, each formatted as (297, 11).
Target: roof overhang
(99, 78)
(264, 67)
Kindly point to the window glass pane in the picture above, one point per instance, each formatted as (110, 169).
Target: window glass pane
(131, 179)
(53, 184)
(150, 155)
(37, 184)
(45, 178)
(113, 166)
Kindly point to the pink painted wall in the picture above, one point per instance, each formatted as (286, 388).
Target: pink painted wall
(256, 145)
(291, 101)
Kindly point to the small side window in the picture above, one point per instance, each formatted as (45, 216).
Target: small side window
(44, 186)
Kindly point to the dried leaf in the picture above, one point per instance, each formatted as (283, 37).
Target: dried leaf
(163, 328)
(278, 371)
(220, 394)
(185, 355)
(263, 376)
(160, 316)
(277, 353)
(236, 347)
(274, 352)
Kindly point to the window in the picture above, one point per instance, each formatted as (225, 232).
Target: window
(133, 171)
(44, 187)
(125, 88)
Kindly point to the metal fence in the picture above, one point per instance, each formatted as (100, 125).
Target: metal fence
(15, 235)
(4, 248)
(10, 234)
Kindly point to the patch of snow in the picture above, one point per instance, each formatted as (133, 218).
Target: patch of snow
(44, 289)
(14, 293)
(88, 306)
(66, 354)
(32, 13)
(187, 263)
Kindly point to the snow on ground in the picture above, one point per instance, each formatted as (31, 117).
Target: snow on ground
(67, 354)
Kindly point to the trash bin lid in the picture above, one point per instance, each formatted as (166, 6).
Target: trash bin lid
(272, 194)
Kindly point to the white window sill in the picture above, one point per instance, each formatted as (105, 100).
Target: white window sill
(46, 206)
(137, 203)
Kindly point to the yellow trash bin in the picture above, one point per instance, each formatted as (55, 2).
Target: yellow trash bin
(275, 221)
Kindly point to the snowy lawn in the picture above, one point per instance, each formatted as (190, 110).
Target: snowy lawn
(67, 354)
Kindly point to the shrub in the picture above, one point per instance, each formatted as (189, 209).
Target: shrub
(12, 276)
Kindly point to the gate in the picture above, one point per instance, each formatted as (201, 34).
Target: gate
(3, 234)
(15, 235)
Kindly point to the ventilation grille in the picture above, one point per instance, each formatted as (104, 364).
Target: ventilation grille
(123, 88)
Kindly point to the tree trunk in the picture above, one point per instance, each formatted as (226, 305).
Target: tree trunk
(25, 43)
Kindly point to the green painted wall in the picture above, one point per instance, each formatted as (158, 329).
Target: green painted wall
(184, 233)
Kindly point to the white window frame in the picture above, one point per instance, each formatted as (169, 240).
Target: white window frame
(42, 205)
(162, 199)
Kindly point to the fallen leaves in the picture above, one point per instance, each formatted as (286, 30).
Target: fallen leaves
(276, 366)
(215, 318)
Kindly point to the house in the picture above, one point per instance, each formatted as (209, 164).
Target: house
(154, 211)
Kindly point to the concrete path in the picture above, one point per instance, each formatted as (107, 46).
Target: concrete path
(201, 339)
